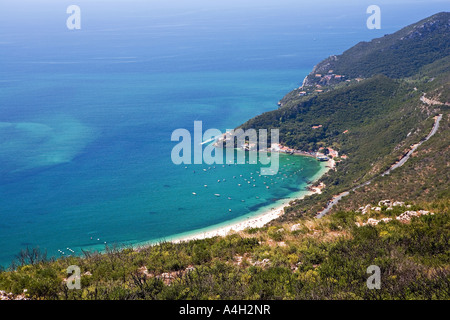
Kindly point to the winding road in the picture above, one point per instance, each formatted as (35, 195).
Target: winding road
(402, 161)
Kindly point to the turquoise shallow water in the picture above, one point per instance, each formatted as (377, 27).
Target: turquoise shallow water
(98, 165)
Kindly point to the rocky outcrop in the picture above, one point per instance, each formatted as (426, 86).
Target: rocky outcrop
(404, 217)
(10, 296)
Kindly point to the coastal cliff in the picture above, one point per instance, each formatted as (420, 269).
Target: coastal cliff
(397, 55)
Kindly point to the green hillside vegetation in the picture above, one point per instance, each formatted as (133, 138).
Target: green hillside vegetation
(298, 256)
(316, 259)
(378, 114)
(425, 177)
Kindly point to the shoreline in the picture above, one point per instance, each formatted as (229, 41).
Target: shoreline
(258, 220)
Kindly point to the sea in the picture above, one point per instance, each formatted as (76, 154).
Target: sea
(87, 115)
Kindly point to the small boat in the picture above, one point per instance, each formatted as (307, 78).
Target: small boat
(217, 195)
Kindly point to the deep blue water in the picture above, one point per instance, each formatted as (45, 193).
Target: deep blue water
(86, 116)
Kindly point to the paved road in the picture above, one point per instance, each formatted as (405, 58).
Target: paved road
(402, 161)
(408, 155)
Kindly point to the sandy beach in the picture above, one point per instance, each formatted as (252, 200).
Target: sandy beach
(257, 221)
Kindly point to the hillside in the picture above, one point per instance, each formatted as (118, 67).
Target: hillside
(371, 122)
(424, 177)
